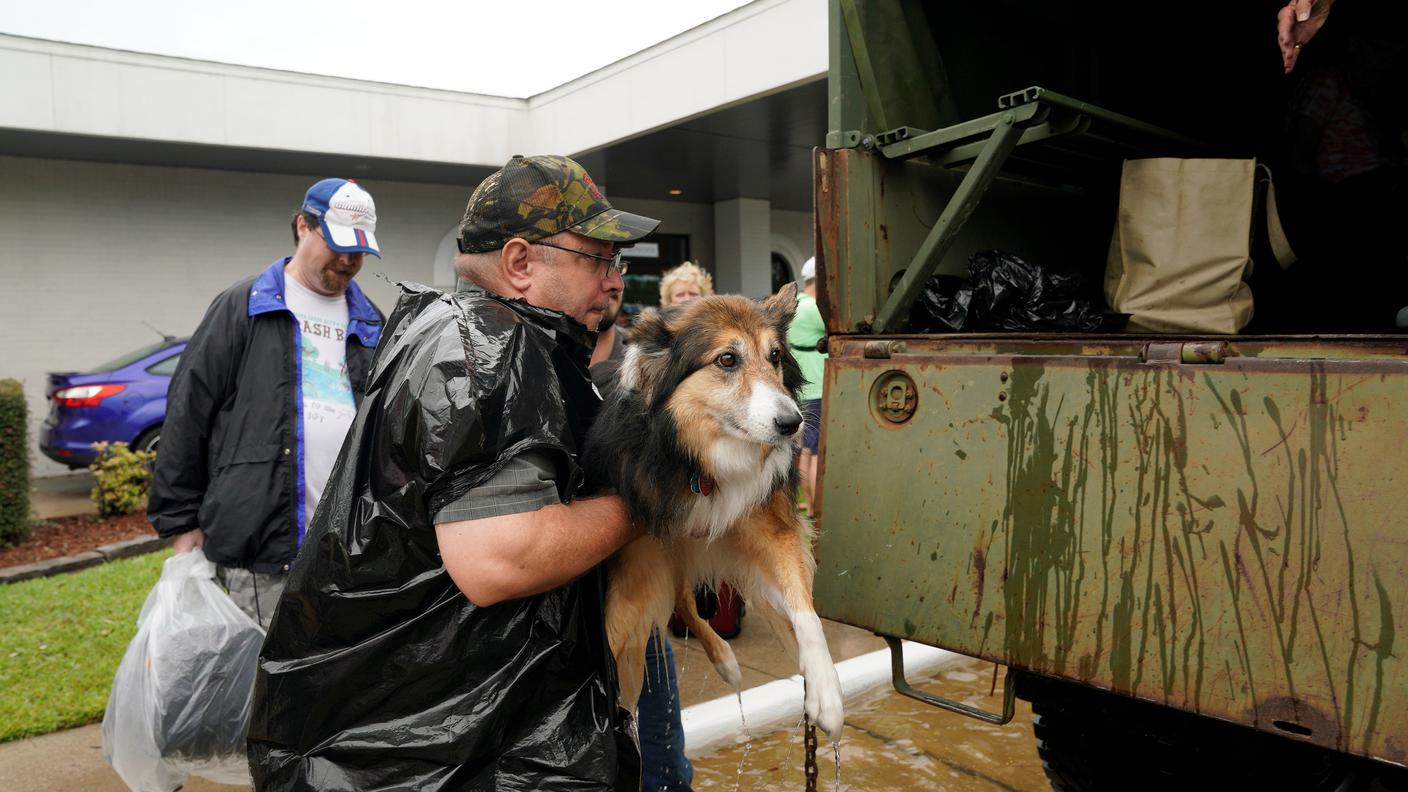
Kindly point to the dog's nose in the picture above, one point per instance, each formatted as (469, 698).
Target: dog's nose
(787, 424)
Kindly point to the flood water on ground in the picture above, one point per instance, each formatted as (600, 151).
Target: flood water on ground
(891, 742)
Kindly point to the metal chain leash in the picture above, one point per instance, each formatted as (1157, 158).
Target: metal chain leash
(809, 740)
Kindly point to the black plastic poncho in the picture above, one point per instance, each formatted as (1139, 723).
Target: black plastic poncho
(378, 673)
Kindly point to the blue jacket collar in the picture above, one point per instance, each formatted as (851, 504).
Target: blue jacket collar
(267, 295)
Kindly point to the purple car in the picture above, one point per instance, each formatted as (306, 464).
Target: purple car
(120, 401)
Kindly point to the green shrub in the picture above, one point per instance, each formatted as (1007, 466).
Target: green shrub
(15, 517)
(122, 478)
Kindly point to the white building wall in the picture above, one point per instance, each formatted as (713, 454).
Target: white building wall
(89, 251)
(56, 87)
(761, 48)
(743, 241)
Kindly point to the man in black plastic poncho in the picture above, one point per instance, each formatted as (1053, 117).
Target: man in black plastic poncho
(442, 627)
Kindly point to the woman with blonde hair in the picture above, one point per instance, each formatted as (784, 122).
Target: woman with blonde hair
(685, 283)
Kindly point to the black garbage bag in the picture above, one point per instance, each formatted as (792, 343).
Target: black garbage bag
(1004, 292)
(377, 672)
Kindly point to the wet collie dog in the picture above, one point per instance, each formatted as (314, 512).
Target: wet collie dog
(698, 437)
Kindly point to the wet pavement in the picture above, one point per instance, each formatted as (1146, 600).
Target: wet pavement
(890, 742)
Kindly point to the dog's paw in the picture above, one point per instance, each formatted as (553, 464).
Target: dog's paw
(727, 666)
(824, 703)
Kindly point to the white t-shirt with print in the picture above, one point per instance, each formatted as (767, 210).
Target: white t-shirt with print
(328, 407)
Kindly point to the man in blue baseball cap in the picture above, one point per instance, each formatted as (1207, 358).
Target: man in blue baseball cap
(263, 397)
(344, 213)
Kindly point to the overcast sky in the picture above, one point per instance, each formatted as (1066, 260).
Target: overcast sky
(507, 47)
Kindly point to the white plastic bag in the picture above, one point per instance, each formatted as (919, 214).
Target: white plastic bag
(180, 701)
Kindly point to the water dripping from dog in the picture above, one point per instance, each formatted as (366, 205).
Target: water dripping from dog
(747, 740)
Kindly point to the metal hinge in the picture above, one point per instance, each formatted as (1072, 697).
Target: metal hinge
(1187, 353)
(882, 350)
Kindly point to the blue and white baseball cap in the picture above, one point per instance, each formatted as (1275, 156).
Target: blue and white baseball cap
(347, 214)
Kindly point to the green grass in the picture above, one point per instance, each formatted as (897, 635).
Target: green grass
(61, 639)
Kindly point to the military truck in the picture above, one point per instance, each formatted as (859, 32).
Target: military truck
(1187, 551)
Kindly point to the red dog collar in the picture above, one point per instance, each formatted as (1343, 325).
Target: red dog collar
(701, 484)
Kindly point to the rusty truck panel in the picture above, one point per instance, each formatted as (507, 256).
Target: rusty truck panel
(1215, 526)
(1209, 523)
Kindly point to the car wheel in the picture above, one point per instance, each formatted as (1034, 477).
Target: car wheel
(148, 440)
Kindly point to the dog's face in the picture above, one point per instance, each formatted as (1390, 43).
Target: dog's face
(721, 367)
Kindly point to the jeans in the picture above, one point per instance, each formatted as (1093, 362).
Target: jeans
(658, 719)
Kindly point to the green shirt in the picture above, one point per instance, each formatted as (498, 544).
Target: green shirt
(805, 331)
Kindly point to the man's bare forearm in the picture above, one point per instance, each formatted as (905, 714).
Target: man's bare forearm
(519, 555)
(571, 540)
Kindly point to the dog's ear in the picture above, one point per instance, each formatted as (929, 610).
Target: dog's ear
(781, 307)
(648, 353)
(792, 377)
(650, 332)
(780, 310)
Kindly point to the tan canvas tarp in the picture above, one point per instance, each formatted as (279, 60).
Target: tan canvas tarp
(1182, 245)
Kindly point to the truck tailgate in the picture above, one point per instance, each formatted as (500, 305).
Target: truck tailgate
(1213, 524)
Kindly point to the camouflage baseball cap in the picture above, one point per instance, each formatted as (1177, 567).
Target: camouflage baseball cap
(533, 198)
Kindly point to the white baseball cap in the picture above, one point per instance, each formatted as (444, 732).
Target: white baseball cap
(809, 269)
(346, 213)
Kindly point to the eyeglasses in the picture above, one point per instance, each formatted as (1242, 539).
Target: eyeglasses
(615, 263)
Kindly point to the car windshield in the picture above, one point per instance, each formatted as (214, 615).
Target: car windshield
(129, 358)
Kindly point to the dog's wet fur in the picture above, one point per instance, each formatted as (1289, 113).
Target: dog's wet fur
(706, 396)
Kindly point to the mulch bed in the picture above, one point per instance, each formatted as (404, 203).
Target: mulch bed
(71, 535)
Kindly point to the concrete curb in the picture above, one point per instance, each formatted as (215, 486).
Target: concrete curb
(713, 724)
(73, 563)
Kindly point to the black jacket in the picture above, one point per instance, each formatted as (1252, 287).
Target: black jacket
(231, 454)
(377, 672)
